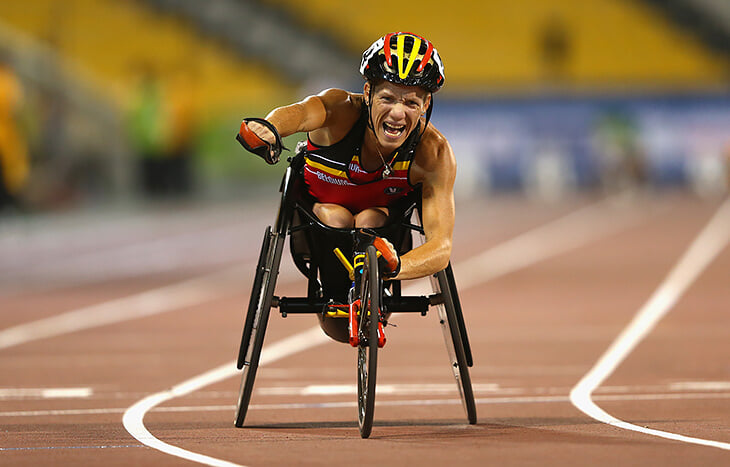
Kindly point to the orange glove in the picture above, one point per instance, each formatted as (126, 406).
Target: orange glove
(389, 259)
(252, 142)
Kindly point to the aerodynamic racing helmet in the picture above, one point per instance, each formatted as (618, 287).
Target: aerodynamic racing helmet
(404, 58)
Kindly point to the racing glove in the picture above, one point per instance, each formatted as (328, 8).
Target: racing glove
(389, 259)
(253, 143)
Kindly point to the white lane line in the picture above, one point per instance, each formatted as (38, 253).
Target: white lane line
(703, 250)
(700, 386)
(172, 297)
(45, 393)
(383, 389)
(409, 402)
(348, 389)
(567, 233)
(45, 448)
(133, 419)
(587, 224)
(143, 304)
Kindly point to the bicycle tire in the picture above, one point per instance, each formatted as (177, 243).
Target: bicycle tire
(455, 347)
(367, 351)
(258, 328)
(459, 314)
(253, 300)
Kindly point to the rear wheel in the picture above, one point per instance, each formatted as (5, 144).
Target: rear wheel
(367, 350)
(450, 325)
(253, 301)
(257, 320)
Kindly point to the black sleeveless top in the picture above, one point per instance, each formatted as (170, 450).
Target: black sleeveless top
(335, 175)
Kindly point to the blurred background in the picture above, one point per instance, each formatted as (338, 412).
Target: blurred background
(108, 101)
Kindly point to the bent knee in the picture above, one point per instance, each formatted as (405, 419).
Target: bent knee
(334, 215)
(371, 218)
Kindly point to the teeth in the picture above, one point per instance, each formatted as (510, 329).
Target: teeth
(393, 129)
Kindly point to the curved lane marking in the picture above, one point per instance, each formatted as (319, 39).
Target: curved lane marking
(133, 419)
(571, 231)
(709, 243)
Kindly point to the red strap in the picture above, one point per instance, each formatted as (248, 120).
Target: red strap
(390, 256)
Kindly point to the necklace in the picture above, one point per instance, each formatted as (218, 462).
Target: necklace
(387, 170)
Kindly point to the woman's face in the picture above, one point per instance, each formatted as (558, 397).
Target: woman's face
(395, 111)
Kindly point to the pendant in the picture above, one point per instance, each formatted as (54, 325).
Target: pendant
(386, 171)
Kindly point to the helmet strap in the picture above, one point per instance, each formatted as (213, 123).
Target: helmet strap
(428, 116)
(369, 105)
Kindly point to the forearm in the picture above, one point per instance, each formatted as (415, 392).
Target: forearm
(425, 260)
(288, 119)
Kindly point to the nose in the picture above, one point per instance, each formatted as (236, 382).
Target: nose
(398, 111)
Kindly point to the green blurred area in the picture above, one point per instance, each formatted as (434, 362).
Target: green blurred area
(78, 65)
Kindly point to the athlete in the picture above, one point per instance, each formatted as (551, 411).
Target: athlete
(365, 151)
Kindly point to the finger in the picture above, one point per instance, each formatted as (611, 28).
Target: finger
(262, 132)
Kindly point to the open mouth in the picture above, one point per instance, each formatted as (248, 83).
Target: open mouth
(393, 131)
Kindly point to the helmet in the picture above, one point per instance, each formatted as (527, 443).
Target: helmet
(404, 58)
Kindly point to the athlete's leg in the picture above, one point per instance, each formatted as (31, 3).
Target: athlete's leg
(371, 218)
(334, 215)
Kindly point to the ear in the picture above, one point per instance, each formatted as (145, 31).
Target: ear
(366, 92)
(426, 103)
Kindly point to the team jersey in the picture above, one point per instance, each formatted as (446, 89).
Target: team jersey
(335, 175)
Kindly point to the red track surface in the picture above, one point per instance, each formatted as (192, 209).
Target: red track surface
(536, 328)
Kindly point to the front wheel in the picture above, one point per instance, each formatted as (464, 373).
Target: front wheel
(367, 350)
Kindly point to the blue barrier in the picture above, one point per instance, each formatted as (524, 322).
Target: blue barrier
(502, 139)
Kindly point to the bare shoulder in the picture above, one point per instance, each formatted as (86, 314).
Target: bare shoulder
(342, 111)
(434, 158)
(339, 101)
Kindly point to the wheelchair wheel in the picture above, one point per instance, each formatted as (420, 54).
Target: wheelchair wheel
(257, 318)
(449, 272)
(450, 325)
(253, 300)
(367, 350)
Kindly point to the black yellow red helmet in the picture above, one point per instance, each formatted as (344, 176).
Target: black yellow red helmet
(404, 58)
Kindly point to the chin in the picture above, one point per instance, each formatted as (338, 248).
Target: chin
(387, 142)
(390, 145)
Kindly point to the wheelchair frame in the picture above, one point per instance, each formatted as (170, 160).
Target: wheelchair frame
(445, 297)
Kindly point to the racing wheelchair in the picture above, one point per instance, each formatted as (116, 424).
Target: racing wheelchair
(352, 299)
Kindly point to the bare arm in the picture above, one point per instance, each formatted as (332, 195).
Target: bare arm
(308, 115)
(305, 115)
(437, 174)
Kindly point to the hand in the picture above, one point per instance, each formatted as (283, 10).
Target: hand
(260, 138)
(266, 135)
(389, 259)
(261, 131)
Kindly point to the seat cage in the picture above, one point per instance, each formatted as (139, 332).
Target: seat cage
(312, 242)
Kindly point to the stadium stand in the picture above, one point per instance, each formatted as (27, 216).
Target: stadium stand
(503, 43)
(272, 36)
(113, 40)
(706, 19)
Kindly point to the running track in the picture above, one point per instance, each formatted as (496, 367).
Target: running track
(600, 332)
